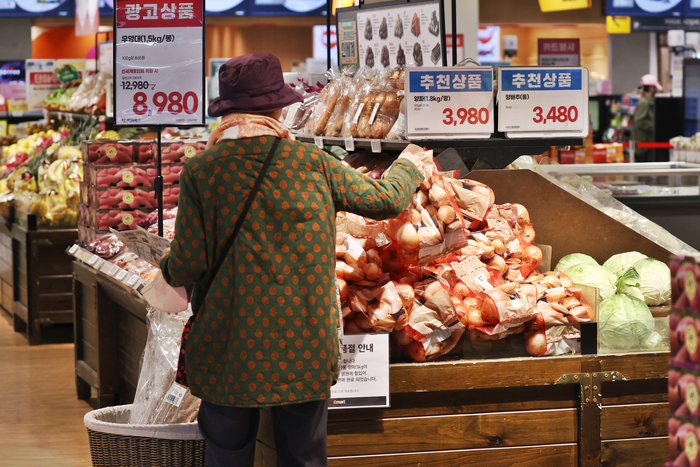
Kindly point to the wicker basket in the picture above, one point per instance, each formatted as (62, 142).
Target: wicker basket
(115, 443)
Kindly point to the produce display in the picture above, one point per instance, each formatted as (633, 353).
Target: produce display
(455, 273)
(628, 284)
(367, 104)
(684, 367)
(81, 96)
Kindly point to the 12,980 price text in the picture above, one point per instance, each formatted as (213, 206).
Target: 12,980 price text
(175, 103)
(472, 116)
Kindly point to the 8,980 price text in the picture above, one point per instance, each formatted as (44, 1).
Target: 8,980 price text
(175, 103)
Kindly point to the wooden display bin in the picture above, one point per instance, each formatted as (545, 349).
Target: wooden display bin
(110, 335)
(41, 281)
(7, 295)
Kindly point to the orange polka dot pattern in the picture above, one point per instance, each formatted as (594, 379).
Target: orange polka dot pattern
(267, 334)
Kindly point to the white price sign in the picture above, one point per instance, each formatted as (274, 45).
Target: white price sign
(446, 103)
(543, 101)
(159, 62)
(363, 379)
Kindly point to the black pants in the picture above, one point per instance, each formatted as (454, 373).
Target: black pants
(299, 429)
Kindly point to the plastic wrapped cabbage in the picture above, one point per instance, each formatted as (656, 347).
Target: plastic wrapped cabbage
(620, 263)
(594, 275)
(625, 323)
(574, 259)
(648, 280)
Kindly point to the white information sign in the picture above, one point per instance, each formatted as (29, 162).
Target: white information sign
(543, 101)
(448, 103)
(363, 380)
(159, 62)
(403, 35)
(41, 81)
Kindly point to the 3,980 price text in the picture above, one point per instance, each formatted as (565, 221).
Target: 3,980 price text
(560, 114)
(472, 116)
(175, 103)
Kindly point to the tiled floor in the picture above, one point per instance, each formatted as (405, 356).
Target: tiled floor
(41, 418)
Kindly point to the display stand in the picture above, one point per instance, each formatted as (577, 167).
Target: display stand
(41, 280)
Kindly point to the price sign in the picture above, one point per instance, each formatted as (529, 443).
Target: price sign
(159, 62)
(543, 101)
(363, 380)
(450, 103)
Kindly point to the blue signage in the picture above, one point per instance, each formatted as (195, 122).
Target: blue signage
(34, 8)
(451, 81)
(644, 7)
(542, 80)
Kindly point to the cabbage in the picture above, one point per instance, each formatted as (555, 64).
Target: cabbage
(648, 280)
(625, 323)
(572, 260)
(618, 264)
(593, 275)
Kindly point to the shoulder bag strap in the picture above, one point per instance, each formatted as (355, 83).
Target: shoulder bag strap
(244, 213)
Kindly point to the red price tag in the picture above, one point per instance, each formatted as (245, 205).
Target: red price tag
(561, 114)
(175, 103)
(470, 116)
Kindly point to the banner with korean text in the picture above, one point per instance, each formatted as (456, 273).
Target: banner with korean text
(159, 62)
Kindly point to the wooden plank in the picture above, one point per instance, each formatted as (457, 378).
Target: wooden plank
(128, 369)
(469, 401)
(635, 392)
(540, 456)
(90, 356)
(634, 421)
(87, 373)
(88, 332)
(133, 326)
(414, 434)
(643, 452)
(55, 284)
(53, 302)
(476, 374)
(55, 317)
(88, 309)
(637, 365)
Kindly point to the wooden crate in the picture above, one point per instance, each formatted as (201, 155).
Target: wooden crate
(7, 297)
(110, 336)
(41, 281)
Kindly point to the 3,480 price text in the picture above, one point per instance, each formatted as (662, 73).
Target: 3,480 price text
(561, 114)
(175, 103)
(472, 116)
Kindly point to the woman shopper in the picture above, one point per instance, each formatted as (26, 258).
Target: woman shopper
(265, 331)
(643, 119)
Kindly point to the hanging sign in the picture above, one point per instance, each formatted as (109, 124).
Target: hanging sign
(449, 103)
(363, 380)
(41, 82)
(559, 52)
(543, 101)
(159, 63)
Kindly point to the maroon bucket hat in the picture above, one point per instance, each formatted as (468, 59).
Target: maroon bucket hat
(252, 83)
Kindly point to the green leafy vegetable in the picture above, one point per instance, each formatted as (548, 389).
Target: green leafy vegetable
(572, 260)
(620, 263)
(593, 275)
(626, 323)
(648, 280)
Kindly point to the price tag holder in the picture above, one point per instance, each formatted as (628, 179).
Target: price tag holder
(542, 102)
(376, 145)
(318, 141)
(363, 380)
(449, 103)
(350, 144)
(159, 63)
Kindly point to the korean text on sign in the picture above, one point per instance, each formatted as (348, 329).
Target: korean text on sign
(542, 80)
(158, 13)
(451, 81)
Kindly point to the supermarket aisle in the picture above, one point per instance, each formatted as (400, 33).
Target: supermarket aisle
(41, 420)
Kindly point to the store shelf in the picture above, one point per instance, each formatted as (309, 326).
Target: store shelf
(496, 152)
(19, 115)
(72, 116)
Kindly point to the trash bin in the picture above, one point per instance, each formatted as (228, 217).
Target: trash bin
(116, 443)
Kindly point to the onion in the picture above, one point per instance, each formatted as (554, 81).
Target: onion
(499, 264)
(571, 302)
(407, 237)
(372, 271)
(437, 195)
(406, 294)
(528, 233)
(401, 321)
(556, 295)
(461, 289)
(431, 290)
(363, 321)
(376, 174)
(446, 214)
(347, 272)
(487, 252)
(357, 303)
(346, 311)
(522, 212)
(407, 277)
(342, 288)
(533, 254)
(536, 343)
(499, 246)
(420, 199)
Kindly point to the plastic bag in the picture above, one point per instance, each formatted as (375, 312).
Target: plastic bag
(348, 87)
(154, 403)
(364, 79)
